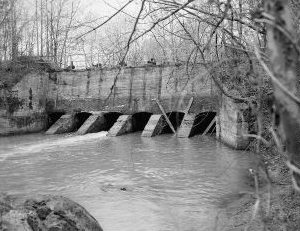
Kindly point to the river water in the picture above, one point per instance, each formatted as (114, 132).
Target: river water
(129, 183)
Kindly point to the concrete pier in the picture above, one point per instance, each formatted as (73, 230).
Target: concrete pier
(231, 123)
(186, 128)
(121, 126)
(95, 123)
(154, 126)
(66, 123)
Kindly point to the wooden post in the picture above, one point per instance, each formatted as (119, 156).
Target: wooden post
(165, 115)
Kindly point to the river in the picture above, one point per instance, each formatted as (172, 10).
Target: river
(129, 183)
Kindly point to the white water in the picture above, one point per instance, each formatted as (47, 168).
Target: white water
(64, 141)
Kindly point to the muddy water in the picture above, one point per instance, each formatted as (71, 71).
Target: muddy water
(128, 183)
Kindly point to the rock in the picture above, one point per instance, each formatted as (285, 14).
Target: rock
(44, 213)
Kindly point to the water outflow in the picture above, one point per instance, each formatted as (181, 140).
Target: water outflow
(10, 146)
(128, 182)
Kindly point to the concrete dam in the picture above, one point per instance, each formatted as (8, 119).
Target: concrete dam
(151, 99)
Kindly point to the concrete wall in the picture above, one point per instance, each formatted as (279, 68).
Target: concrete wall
(135, 91)
(232, 123)
(22, 107)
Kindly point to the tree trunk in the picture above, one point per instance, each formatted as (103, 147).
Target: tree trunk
(37, 28)
(284, 60)
(42, 17)
(240, 25)
(14, 39)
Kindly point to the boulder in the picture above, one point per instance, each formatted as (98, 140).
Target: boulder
(44, 213)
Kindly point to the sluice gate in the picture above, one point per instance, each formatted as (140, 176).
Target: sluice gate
(185, 125)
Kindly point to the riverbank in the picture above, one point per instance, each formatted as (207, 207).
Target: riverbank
(274, 208)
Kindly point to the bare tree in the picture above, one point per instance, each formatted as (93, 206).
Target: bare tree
(284, 58)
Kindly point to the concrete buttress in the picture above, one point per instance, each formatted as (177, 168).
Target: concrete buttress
(186, 127)
(95, 123)
(154, 126)
(121, 126)
(66, 123)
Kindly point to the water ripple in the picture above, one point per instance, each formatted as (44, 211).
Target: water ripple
(128, 182)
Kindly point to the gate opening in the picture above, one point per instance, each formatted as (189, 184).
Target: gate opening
(53, 117)
(175, 119)
(110, 119)
(139, 120)
(202, 121)
(80, 118)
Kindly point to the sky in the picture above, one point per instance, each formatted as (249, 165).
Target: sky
(101, 8)
(91, 10)
(106, 7)
(98, 10)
